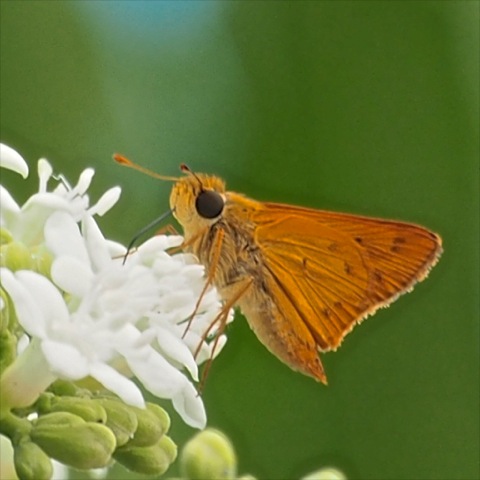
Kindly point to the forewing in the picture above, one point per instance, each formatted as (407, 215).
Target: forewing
(331, 270)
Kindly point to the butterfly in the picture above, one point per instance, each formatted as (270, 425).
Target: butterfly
(303, 278)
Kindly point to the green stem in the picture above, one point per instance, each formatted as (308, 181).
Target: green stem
(13, 427)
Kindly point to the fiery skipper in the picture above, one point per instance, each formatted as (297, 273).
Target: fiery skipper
(303, 278)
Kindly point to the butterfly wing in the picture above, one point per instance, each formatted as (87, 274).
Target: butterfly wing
(328, 271)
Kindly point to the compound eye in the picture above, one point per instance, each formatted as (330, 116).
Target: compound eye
(209, 204)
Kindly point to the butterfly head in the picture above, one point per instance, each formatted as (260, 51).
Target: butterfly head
(197, 200)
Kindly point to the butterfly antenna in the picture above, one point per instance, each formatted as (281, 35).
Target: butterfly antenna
(122, 160)
(186, 169)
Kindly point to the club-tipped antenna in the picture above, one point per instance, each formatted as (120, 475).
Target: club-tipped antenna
(122, 160)
(186, 169)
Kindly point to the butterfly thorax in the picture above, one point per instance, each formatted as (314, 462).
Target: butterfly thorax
(228, 245)
(229, 237)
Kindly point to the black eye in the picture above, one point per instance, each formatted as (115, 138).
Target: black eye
(209, 204)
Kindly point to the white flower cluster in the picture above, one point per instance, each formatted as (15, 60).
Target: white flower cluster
(92, 315)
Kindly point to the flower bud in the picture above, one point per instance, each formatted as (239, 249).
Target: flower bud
(209, 455)
(63, 388)
(327, 473)
(31, 462)
(58, 420)
(152, 460)
(16, 256)
(70, 440)
(161, 414)
(121, 419)
(85, 408)
(153, 422)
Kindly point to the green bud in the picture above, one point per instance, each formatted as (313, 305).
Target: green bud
(84, 445)
(90, 384)
(58, 420)
(85, 408)
(153, 422)
(209, 455)
(8, 349)
(16, 256)
(43, 405)
(151, 460)
(327, 473)
(169, 447)
(161, 414)
(31, 462)
(63, 388)
(121, 419)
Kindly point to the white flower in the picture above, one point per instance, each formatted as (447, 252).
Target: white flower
(101, 317)
(26, 223)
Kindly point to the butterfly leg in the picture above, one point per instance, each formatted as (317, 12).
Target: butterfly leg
(167, 229)
(240, 288)
(217, 248)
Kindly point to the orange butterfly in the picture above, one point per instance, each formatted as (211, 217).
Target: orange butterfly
(303, 278)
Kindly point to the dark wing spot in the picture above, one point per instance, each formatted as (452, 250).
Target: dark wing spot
(397, 241)
(378, 276)
(347, 268)
(333, 247)
(326, 312)
(338, 305)
(359, 240)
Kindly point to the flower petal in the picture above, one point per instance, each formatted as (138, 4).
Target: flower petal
(175, 348)
(25, 305)
(63, 237)
(115, 249)
(50, 308)
(29, 223)
(118, 384)
(26, 377)
(190, 406)
(7, 203)
(72, 275)
(96, 245)
(157, 244)
(65, 360)
(11, 159)
(84, 181)
(106, 202)
(156, 374)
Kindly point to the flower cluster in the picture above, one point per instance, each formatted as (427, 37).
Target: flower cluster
(80, 312)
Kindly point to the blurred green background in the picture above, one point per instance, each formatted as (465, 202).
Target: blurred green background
(365, 107)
